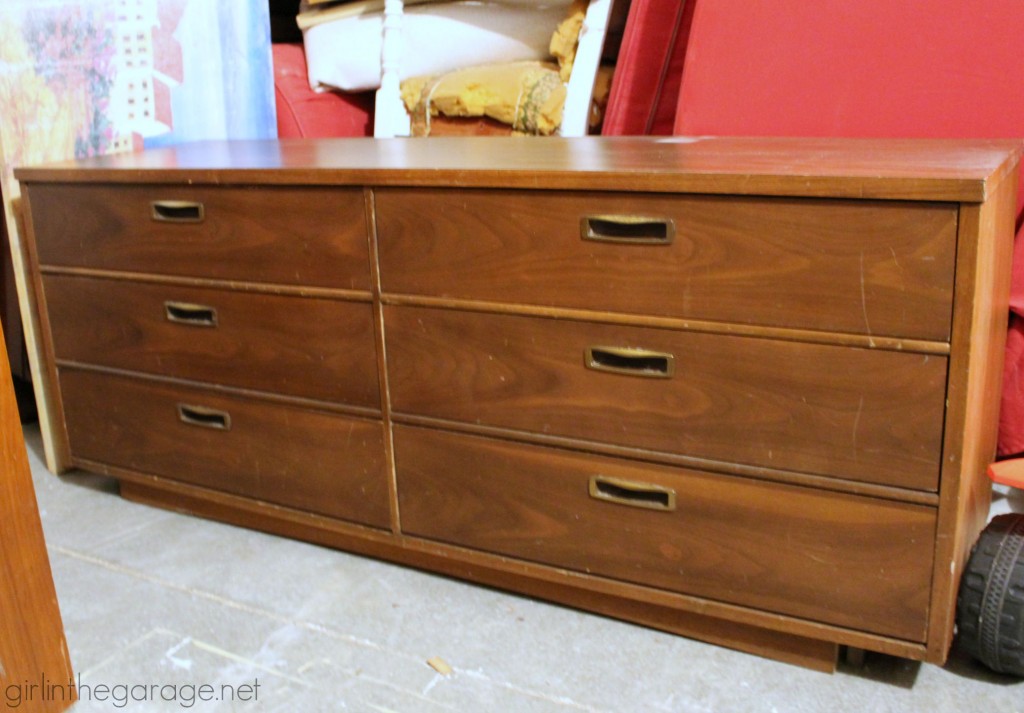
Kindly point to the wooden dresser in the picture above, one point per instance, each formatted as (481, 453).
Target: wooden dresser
(739, 389)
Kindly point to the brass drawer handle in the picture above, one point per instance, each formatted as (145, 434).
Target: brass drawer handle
(628, 229)
(191, 314)
(631, 361)
(632, 493)
(204, 417)
(177, 211)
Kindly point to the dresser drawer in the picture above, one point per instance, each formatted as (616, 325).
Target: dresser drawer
(843, 559)
(296, 236)
(314, 348)
(323, 463)
(862, 267)
(862, 414)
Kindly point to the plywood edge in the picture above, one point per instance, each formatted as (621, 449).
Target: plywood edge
(50, 423)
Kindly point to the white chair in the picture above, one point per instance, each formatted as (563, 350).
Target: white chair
(391, 118)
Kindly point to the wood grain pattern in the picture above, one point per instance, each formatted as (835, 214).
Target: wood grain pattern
(315, 461)
(860, 341)
(874, 268)
(975, 388)
(32, 647)
(766, 636)
(758, 472)
(378, 337)
(313, 348)
(543, 581)
(903, 169)
(271, 288)
(852, 413)
(806, 304)
(841, 559)
(312, 236)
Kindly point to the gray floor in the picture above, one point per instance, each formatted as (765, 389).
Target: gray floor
(150, 598)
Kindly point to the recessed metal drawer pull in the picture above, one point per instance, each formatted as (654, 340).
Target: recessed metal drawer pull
(191, 314)
(632, 493)
(630, 361)
(629, 229)
(204, 417)
(177, 211)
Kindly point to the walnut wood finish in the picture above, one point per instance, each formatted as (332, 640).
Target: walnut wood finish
(863, 267)
(825, 436)
(890, 169)
(312, 236)
(33, 650)
(313, 348)
(378, 321)
(323, 463)
(853, 413)
(748, 630)
(842, 559)
(862, 341)
(976, 366)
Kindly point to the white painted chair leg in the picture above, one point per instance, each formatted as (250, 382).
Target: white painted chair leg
(390, 117)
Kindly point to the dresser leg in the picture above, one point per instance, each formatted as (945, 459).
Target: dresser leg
(853, 656)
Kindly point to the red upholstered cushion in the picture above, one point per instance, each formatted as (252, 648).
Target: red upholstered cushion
(649, 69)
(303, 112)
(866, 68)
(943, 68)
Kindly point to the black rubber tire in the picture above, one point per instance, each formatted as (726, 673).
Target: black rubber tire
(990, 606)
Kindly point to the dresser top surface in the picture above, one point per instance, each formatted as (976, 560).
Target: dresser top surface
(927, 169)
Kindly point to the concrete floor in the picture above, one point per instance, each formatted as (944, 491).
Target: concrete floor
(153, 598)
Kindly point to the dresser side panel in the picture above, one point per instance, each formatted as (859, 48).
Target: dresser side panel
(49, 401)
(984, 253)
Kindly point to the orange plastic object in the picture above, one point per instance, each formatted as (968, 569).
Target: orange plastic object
(1008, 472)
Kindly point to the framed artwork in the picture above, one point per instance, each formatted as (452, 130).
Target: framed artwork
(88, 77)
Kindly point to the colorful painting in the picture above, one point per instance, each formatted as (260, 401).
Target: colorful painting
(86, 77)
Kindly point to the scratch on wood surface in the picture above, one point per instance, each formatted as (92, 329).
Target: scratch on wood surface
(856, 423)
(863, 295)
(896, 262)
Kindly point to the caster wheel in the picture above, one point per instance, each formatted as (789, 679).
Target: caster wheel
(990, 606)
